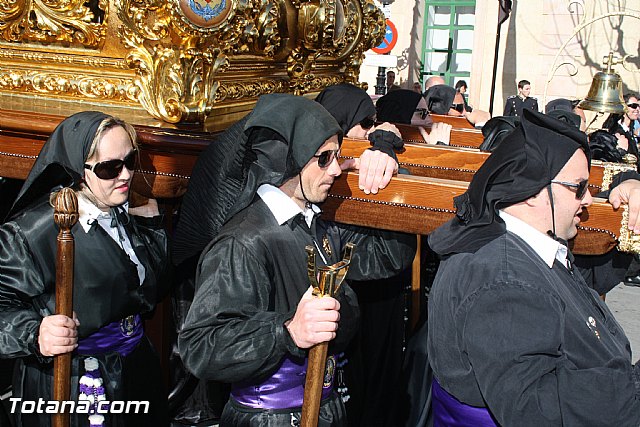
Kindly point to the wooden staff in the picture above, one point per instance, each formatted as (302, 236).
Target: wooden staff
(326, 283)
(65, 216)
(313, 384)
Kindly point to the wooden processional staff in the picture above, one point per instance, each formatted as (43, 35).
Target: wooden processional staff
(325, 281)
(65, 216)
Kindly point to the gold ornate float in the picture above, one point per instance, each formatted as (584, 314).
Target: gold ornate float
(177, 61)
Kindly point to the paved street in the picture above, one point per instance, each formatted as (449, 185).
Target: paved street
(624, 302)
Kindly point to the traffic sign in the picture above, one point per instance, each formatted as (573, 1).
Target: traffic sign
(389, 41)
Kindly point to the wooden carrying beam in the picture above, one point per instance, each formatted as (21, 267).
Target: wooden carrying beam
(460, 137)
(419, 205)
(460, 164)
(413, 204)
(455, 122)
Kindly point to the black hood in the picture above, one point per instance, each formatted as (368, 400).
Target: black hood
(270, 145)
(522, 165)
(61, 160)
(348, 104)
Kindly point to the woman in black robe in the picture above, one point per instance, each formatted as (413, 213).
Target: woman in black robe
(622, 125)
(119, 264)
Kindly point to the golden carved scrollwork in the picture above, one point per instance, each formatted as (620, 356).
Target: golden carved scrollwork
(628, 240)
(612, 169)
(66, 21)
(238, 90)
(181, 60)
(179, 81)
(68, 84)
(333, 32)
(367, 35)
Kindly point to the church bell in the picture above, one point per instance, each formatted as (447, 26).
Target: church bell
(605, 93)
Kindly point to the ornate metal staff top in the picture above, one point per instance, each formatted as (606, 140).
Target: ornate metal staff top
(330, 279)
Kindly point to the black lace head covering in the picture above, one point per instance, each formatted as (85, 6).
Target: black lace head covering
(604, 146)
(398, 106)
(440, 98)
(562, 109)
(270, 145)
(348, 104)
(61, 160)
(520, 167)
(496, 129)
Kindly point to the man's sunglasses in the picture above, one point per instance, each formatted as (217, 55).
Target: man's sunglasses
(367, 123)
(110, 169)
(458, 107)
(633, 105)
(581, 187)
(326, 157)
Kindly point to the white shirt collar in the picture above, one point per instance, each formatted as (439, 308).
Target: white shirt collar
(623, 126)
(88, 213)
(282, 206)
(548, 249)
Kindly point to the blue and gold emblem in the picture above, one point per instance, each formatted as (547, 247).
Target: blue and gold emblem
(206, 13)
(128, 325)
(329, 372)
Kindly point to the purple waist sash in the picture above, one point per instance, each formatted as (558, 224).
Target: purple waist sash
(121, 336)
(284, 389)
(450, 412)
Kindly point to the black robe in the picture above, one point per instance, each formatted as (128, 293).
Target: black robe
(531, 343)
(250, 280)
(106, 289)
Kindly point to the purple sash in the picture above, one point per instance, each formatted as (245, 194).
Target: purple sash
(450, 412)
(284, 389)
(121, 336)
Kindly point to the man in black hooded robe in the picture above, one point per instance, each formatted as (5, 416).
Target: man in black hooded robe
(516, 338)
(253, 317)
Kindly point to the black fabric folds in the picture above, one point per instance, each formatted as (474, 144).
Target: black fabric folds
(347, 103)
(440, 98)
(496, 129)
(604, 146)
(522, 165)
(60, 162)
(215, 183)
(252, 152)
(386, 141)
(397, 106)
(562, 109)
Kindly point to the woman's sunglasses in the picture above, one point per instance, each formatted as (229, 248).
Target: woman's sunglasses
(326, 157)
(633, 105)
(110, 169)
(458, 107)
(581, 187)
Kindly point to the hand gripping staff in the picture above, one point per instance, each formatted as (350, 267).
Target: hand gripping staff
(326, 281)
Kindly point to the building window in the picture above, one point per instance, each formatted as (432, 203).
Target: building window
(448, 39)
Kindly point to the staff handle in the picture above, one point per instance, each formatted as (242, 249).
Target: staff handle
(313, 384)
(65, 215)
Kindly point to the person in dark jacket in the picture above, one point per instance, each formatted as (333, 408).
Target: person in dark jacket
(253, 317)
(516, 104)
(625, 126)
(120, 263)
(515, 335)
